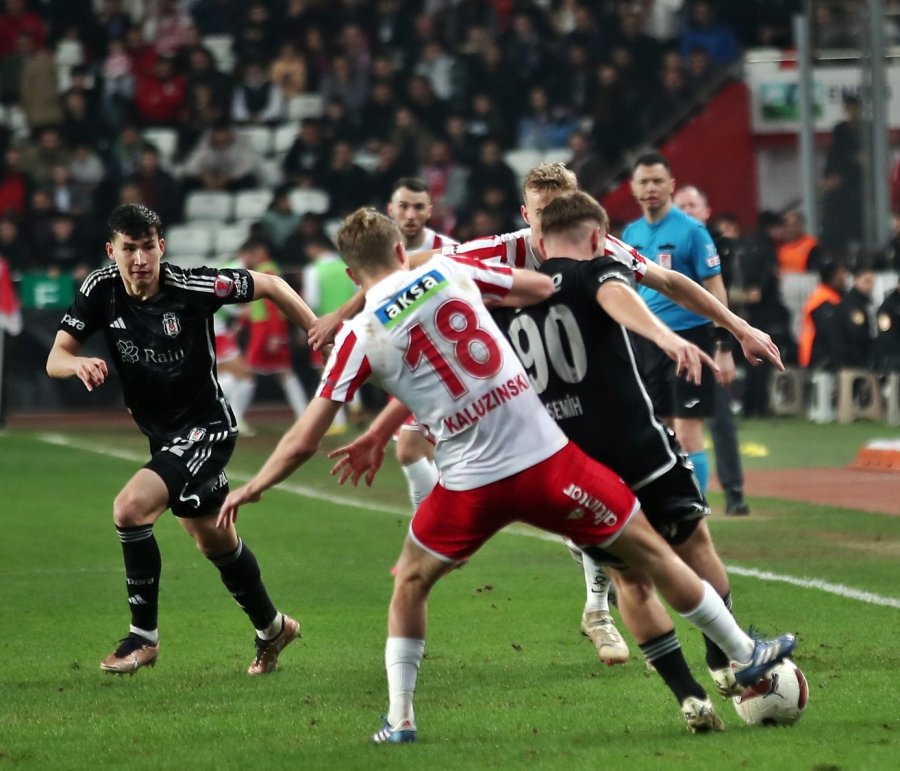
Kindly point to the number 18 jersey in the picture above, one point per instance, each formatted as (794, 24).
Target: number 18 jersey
(426, 337)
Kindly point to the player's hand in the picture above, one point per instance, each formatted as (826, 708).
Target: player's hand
(228, 514)
(91, 372)
(364, 455)
(689, 359)
(725, 362)
(323, 330)
(758, 347)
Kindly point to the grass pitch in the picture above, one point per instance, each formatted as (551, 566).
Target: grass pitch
(508, 681)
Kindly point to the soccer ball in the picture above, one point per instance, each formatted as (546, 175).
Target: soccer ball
(778, 699)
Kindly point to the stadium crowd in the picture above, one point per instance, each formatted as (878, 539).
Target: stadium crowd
(155, 101)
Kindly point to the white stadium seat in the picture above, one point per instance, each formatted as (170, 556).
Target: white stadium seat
(188, 239)
(309, 199)
(259, 138)
(523, 161)
(221, 47)
(252, 204)
(209, 205)
(191, 260)
(165, 140)
(305, 106)
(270, 172)
(283, 137)
(558, 155)
(227, 240)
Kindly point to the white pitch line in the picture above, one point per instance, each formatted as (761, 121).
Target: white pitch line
(847, 592)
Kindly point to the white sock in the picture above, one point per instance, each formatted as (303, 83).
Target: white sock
(151, 636)
(272, 630)
(713, 619)
(243, 397)
(402, 657)
(596, 582)
(294, 392)
(421, 477)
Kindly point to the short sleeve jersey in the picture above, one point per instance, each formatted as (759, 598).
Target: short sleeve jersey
(426, 337)
(163, 348)
(681, 243)
(516, 251)
(581, 365)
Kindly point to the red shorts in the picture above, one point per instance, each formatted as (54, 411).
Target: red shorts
(267, 353)
(569, 494)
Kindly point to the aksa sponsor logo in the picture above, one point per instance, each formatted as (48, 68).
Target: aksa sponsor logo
(398, 305)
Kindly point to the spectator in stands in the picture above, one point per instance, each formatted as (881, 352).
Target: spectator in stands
(222, 161)
(11, 67)
(202, 111)
(704, 30)
(670, 98)
(377, 116)
(853, 340)
(280, 221)
(887, 343)
(410, 135)
(318, 57)
(143, 55)
(257, 100)
(487, 120)
(347, 183)
(526, 48)
(492, 74)
(577, 85)
(125, 151)
(217, 17)
(585, 163)
(160, 96)
(463, 145)
(289, 71)
(13, 184)
(645, 50)
(701, 69)
(15, 247)
(832, 27)
(616, 107)
(438, 68)
(201, 69)
(310, 226)
(257, 36)
(799, 251)
(814, 345)
(342, 83)
(67, 197)
(430, 111)
(39, 89)
(447, 184)
(65, 249)
(543, 127)
(355, 47)
(167, 26)
(158, 189)
(305, 162)
(118, 84)
(493, 172)
(39, 158)
(18, 20)
(112, 21)
(82, 125)
(391, 166)
(86, 168)
(842, 215)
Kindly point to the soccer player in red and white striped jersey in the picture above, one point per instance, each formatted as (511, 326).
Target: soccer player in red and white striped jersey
(410, 207)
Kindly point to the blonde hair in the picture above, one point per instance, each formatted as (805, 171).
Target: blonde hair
(550, 176)
(366, 240)
(565, 215)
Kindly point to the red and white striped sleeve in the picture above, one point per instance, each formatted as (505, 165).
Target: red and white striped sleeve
(627, 255)
(493, 281)
(347, 369)
(506, 249)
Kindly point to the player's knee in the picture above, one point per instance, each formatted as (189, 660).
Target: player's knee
(407, 455)
(130, 511)
(636, 587)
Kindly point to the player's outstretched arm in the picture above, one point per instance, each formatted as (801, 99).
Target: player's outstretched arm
(65, 361)
(276, 289)
(756, 344)
(625, 306)
(324, 328)
(296, 447)
(365, 454)
(528, 288)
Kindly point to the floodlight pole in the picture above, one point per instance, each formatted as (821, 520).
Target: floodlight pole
(806, 100)
(877, 196)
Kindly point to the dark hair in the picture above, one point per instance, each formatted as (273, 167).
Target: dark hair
(769, 219)
(652, 159)
(135, 220)
(410, 183)
(829, 269)
(255, 242)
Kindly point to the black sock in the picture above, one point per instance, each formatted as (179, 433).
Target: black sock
(143, 565)
(241, 576)
(665, 653)
(716, 658)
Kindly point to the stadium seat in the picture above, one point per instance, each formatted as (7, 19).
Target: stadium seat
(522, 161)
(283, 137)
(257, 137)
(558, 155)
(331, 227)
(821, 403)
(309, 199)
(165, 140)
(252, 204)
(305, 106)
(271, 174)
(787, 391)
(191, 260)
(227, 240)
(209, 205)
(221, 47)
(188, 240)
(859, 396)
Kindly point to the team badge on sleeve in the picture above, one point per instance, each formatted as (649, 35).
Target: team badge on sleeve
(224, 286)
(171, 324)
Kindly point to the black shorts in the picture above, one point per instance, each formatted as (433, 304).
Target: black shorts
(193, 468)
(672, 502)
(673, 396)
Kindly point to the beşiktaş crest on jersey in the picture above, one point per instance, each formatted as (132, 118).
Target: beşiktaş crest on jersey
(403, 301)
(171, 324)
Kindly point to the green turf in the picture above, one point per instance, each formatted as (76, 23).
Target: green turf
(507, 681)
